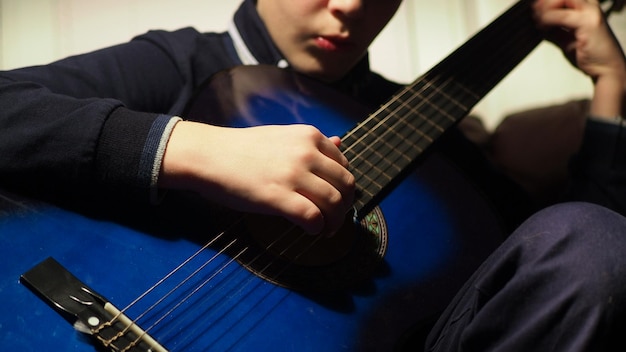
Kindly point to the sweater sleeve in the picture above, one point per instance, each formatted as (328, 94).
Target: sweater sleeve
(94, 122)
(598, 171)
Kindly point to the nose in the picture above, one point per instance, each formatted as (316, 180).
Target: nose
(347, 8)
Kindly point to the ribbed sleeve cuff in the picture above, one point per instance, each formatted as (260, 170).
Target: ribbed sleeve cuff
(155, 150)
(130, 150)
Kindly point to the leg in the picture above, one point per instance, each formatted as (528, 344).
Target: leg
(557, 283)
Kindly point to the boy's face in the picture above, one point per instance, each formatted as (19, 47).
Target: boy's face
(325, 38)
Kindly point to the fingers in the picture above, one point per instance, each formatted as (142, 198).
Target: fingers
(330, 148)
(334, 169)
(329, 186)
(332, 193)
(545, 4)
(567, 13)
(335, 140)
(579, 28)
(292, 171)
(303, 213)
(316, 207)
(311, 185)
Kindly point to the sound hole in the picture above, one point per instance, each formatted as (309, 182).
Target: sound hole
(285, 255)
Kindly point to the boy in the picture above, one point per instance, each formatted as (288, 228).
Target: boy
(59, 137)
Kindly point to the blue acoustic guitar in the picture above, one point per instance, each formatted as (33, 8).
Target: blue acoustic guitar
(190, 276)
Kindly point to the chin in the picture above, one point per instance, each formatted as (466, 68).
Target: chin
(327, 74)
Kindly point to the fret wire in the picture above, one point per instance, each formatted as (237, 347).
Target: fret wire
(358, 164)
(373, 166)
(445, 116)
(472, 71)
(392, 154)
(406, 162)
(360, 180)
(382, 143)
(377, 122)
(422, 114)
(454, 100)
(404, 104)
(415, 112)
(412, 113)
(468, 94)
(383, 163)
(438, 93)
(405, 130)
(365, 180)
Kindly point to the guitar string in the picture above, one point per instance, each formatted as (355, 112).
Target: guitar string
(463, 88)
(386, 106)
(195, 291)
(388, 129)
(153, 287)
(169, 293)
(433, 93)
(252, 262)
(252, 279)
(369, 146)
(358, 160)
(403, 104)
(228, 280)
(146, 331)
(115, 318)
(161, 281)
(182, 301)
(164, 279)
(363, 156)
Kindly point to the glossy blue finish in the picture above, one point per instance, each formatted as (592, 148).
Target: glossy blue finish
(439, 231)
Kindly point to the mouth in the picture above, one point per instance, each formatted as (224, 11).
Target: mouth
(333, 43)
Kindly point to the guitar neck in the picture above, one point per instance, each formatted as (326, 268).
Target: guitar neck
(384, 147)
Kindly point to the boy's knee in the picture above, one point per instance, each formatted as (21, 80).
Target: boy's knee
(583, 243)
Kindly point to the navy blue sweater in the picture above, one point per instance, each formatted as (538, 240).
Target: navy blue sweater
(98, 122)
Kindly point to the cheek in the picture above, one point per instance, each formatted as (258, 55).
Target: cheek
(301, 9)
(381, 12)
(370, 32)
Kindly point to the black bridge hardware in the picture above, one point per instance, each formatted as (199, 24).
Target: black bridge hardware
(86, 310)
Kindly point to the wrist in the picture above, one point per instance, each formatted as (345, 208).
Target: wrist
(608, 96)
(182, 152)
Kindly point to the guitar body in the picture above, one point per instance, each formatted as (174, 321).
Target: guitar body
(437, 228)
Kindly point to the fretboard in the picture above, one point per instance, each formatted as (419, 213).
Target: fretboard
(389, 143)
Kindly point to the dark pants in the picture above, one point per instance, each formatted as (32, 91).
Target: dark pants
(558, 283)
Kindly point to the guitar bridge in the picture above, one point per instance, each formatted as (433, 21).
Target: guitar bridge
(86, 310)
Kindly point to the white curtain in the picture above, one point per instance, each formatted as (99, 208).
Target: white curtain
(422, 33)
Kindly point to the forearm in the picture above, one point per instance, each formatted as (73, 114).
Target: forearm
(597, 170)
(57, 144)
(609, 97)
(80, 124)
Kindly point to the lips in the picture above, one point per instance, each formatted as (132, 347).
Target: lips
(333, 43)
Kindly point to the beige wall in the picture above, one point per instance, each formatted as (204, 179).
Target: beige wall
(422, 33)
